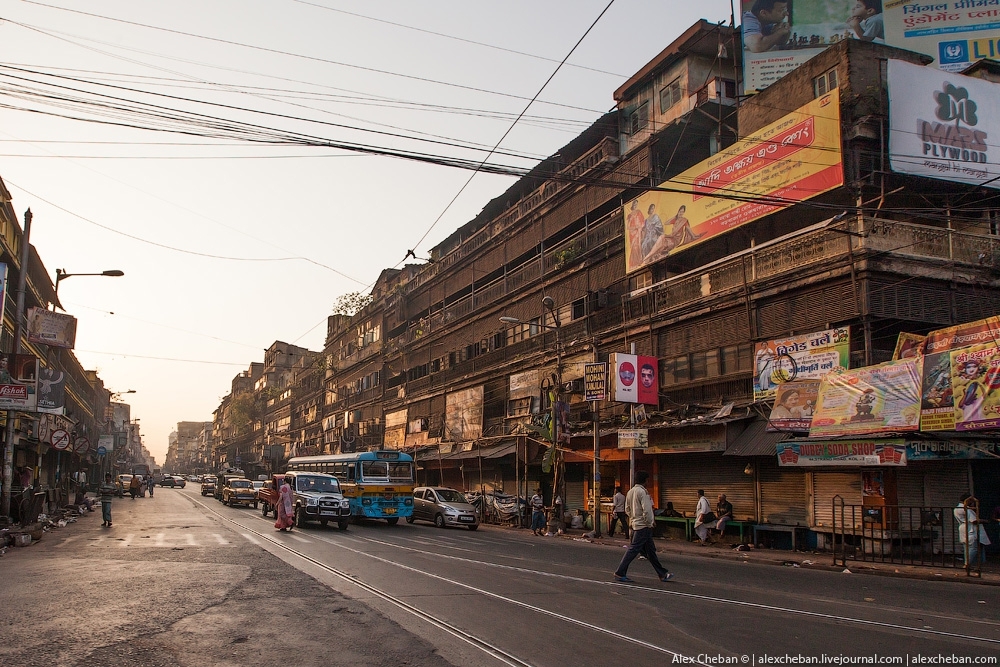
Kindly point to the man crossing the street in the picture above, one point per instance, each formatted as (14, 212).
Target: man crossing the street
(639, 509)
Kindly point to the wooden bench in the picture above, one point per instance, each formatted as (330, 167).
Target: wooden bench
(686, 521)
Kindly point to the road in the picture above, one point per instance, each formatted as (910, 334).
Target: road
(500, 596)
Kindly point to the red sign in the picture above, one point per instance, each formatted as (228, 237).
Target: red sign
(60, 439)
(81, 445)
(15, 391)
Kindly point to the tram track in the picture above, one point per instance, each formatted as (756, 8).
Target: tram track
(508, 658)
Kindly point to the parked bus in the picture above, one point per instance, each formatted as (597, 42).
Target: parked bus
(378, 484)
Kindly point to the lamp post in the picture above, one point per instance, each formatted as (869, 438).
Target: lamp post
(62, 275)
(550, 305)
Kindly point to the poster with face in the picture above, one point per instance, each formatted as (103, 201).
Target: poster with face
(635, 379)
(975, 381)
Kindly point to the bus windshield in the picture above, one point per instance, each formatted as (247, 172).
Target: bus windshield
(400, 471)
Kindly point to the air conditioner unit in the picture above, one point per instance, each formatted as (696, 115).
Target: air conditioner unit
(574, 386)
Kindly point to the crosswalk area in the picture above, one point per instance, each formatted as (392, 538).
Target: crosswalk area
(159, 540)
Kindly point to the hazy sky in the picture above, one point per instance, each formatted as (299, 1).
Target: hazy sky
(241, 228)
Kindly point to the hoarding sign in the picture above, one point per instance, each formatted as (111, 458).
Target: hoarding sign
(975, 381)
(105, 442)
(937, 399)
(908, 345)
(889, 452)
(635, 438)
(940, 125)
(18, 382)
(793, 159)
(52, 391)
(596, 381)
(779, 39)
(793, 406)
(939, 450)
(49, 328)
(635, 379)
(955, 33)
(873, 399)
(806, 357)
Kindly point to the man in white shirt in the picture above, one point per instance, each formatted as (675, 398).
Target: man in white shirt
(639, 509)
(703, 517)
(618, 509)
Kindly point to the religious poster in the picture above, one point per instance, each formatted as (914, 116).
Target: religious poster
(874, 399)
(975, 381)
(937, 405)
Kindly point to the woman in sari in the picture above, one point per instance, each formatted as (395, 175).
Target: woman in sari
(284, 511)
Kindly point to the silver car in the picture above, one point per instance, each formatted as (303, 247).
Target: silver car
(444, 507)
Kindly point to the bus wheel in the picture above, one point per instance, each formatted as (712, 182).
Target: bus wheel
(409, 519)
(342, 524)
(393, 521)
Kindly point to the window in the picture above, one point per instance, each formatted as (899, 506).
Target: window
(674, 371)
(825, 82)
(579, 309)
(704, 365)
(523, 331)
(640, 281)
(729, 88)
(639, 119)
(670, 95)
(519, 407)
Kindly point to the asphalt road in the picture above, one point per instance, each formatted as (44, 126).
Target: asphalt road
(415, 594)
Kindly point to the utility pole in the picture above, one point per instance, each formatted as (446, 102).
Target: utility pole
(22, 281)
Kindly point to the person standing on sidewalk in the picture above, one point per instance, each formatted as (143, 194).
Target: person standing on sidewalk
(639, 509)
(618, 508)
(108, 490)
(537, 513)
(703, 518)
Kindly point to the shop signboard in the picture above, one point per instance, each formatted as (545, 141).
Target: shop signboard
(975, 381)
(18, 382)
(937, 402)
(946, 450)
(797, 358)
(793, 159)
(943, 125)
(51, 328)
(107, 442)
(633, 438)
(874, 399)
(888, 452)
(596, 381)
(793, 406)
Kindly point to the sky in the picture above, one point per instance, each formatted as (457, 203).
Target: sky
(201, 148)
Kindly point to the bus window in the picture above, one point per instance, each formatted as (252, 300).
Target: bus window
(374, 470)
(401, 471)
(350, 472)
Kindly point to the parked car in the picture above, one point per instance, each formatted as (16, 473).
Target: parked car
(443, 507)
(238, 492)
(258, 484)
(208, 486)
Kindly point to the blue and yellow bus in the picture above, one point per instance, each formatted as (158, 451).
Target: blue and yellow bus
(378, 484)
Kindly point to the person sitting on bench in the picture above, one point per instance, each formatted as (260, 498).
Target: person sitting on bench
(723, 513)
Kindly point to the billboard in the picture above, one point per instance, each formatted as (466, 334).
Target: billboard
(780, 36)
(793, 406)
(940, 125)
(937, 399)
(975, 381)
(790, 160)
(806, 357)
(874, 399)
(18, 382)
(52, 391)
(635, 379)
(955, 33)
(908, 345)
(49, 328)
(633, 438)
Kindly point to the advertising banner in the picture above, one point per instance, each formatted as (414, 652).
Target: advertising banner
(596, 381)
(107, 442)
(796, 358)
(779, 39)
(52, 391)
(635, 379)
(955, 33)
(940, 125)
(908, 345)
(937, 402)
(975, 381)
(790, 160)
(941, 450)
(49, 328)
(463, 416)
(873, 399)
(889, 452)
(3, 289)
(793, 406)
(18, 382)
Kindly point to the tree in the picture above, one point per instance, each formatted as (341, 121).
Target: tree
(350, 303)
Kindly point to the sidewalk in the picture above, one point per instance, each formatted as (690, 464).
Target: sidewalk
(815, 560)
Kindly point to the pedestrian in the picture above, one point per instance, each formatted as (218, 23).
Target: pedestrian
(135, 486)
(618, 509)
(971, 532)
(723, 513)
(107, 490)
(703, 518)
(149, 484)
(639, 510)
(537, 513)
(284, 512)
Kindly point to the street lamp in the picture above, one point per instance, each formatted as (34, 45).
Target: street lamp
(118, 394)
(61, 275)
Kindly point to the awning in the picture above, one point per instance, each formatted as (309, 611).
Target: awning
(755, 441)
(491, 451)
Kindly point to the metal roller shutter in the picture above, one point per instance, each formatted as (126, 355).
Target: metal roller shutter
(944, 483)
(574, 497)
(783, 497)
(681, 475)
(826, 485)
(909, 493)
